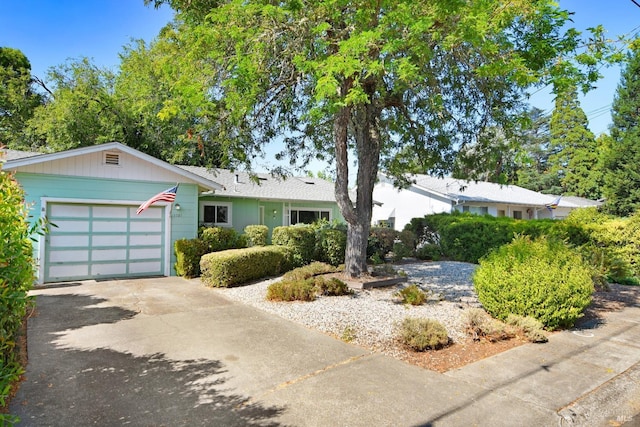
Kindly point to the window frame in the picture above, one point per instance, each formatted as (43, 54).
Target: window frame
(298, 209)
(215, 205)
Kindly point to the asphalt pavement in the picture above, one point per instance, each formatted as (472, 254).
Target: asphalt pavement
(171, 352)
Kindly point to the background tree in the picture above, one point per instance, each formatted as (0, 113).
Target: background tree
(81, 110)
(533, 157)
(622, 173)
(18, 97)
(575, 157)
(403, 84)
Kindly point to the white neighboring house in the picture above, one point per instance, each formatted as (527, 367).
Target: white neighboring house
(430, 195)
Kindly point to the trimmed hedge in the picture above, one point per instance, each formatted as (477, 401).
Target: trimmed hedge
(300, 239)
(237, 266)
(188, 253)
(256, 235)
(222, 238)
(541, 278)
(331, 244)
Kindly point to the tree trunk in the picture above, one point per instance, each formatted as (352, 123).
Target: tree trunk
(358, 217)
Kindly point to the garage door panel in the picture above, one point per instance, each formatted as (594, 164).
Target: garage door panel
(104, 241)
(69, 256)
(70, 226)
(109, 240)
(110, 212)
(146, 227)
(62, 241)
(109, 254)
(145, 239)
(150, 253)
(69, 271)
(64, 210)
(113, 269)
(109, 226)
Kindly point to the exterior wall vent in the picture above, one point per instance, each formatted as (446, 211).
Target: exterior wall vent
(112, 159)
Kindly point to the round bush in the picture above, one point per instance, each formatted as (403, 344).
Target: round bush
(541, 278)
(423, 334)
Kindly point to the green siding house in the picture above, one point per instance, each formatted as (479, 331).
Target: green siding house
(91, 195)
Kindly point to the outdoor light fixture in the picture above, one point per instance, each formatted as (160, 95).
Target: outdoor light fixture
(177, 206)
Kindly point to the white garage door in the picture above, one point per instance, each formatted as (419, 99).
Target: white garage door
(103, 241)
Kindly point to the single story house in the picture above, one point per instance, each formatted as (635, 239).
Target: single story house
(430, 195)
(91, 195)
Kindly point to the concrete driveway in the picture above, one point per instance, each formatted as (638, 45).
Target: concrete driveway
(170, 352)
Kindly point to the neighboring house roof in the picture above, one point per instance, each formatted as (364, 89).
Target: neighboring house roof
(578, 202)
(22, 158)
(268, 187)
(15, 154)
(462, 191)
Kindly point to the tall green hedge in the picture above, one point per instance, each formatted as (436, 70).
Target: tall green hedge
(188, 254)
(16, 278)
(300, 239)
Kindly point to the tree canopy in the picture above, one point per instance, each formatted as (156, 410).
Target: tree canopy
(622, 165)
(404, 85)
(18, 99)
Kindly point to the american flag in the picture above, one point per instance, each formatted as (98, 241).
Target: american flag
(168, 195)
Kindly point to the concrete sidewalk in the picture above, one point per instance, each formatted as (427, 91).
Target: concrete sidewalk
(168, 352)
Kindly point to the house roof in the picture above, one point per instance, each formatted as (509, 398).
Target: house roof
(268, 187)
(17, 159)
(463, 191)
(15, 154)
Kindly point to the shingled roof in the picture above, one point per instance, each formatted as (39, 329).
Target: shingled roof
(268, 187)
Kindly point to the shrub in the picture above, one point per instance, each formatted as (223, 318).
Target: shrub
(431, 252)
(256, 235)
(479, 324)
(309, 270)
(331, 245)
(412, 294)
(541, 278)
(532, 328)
(221, 238)
(292, 290)
(380, 242)
(188, 254)
(236, 266)
(300, 239)
(423, 334)
(16, 279)
(331, 286)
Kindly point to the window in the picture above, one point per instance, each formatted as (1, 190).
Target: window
(308, 216)
(216, 213)
(478, 210)
(501, 212)
(517, 214)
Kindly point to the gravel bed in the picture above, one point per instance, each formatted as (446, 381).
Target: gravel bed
(370, 317)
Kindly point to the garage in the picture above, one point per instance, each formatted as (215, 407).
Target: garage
(94, 241)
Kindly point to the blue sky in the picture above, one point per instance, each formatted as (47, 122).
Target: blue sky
(49, 32)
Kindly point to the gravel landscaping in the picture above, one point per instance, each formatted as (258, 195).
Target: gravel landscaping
(369, 317)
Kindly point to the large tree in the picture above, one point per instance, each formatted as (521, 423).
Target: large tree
(18, 97)
(622, 166)
(402, 84)
(81, 110)
(576, 154)
(534, 167)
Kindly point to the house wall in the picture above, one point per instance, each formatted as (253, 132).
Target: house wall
(247, 211)
(88, 190)
(408, 204)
